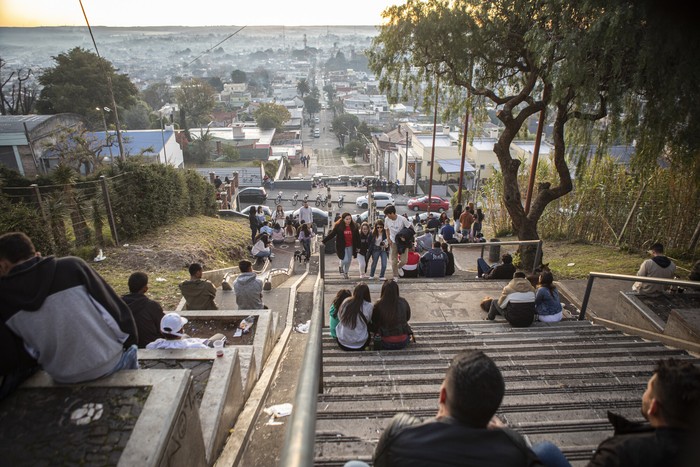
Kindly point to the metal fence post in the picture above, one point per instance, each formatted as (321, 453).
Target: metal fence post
(586, 296)
(108, 208)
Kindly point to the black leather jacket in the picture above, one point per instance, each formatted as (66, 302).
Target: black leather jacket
(408, 442)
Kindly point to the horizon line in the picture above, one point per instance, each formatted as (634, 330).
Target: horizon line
(200, 26)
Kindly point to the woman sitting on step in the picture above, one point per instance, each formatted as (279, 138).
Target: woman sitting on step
(354, 315)
(390, 318)
(335, 306)
(547, 303)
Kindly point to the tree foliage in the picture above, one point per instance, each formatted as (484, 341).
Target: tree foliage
(78, 84)
(585, 63)
(239, 76)
(303, 87)
(196, 98)
(311, 105)
(157, 95)
(345, 126)
(270, 116)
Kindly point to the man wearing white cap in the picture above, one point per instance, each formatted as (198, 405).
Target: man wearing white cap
(173, 337)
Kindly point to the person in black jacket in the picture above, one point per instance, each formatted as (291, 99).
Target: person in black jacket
(504, 270)
(147, 313)
(450, 269)
(671, 406)
(66, 317)
(465, 431)
(253, 222)
(434, 262)
(347, 241)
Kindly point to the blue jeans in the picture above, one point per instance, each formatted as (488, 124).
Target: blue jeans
(482, 267)
(550, 454)
(347, 259)
(263, 254)
(307, 247)
(376, 254)
(129, 361)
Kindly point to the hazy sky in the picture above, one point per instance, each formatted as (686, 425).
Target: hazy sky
(193, 12)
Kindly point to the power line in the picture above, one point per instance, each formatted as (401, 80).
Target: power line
(213, 46)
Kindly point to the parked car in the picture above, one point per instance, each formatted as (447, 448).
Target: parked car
(266, 210)
(437, 204)
(360, 218)
(319, 215)
(381, 199)
(230, 213)
(252, 195)
(317, 133)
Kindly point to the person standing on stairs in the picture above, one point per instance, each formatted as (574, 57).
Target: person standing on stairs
(347, 241)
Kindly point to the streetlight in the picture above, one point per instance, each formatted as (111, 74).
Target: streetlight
(104, 121)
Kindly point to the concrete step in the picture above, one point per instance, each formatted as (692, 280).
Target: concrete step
(561, 380)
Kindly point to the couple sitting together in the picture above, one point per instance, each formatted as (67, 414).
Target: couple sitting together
(353, 319)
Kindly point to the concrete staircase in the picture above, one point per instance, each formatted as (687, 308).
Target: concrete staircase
(561, 379)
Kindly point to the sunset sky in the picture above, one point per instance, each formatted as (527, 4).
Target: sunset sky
(192, 13)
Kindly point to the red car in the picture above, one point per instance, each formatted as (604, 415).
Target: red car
(421, 204)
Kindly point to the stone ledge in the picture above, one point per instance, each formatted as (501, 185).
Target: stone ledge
(168, 419)
(222, 397)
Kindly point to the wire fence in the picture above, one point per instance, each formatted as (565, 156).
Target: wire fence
(610, 205)
(83, 216)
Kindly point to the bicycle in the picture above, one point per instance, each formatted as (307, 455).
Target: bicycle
(341, 199)
(295, 199)
(279, 198)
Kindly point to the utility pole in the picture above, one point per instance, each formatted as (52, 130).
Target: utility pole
(432, 150)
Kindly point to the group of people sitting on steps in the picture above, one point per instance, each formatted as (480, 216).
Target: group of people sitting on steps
(58, 314)
(392, 239)
(357, 324)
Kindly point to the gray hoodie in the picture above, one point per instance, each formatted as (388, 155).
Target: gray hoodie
(248, 290)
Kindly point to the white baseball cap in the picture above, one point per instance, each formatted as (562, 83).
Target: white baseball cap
(172, 324)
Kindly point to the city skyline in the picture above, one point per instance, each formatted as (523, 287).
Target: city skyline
(133, 13)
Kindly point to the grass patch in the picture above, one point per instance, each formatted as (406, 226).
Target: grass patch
(165, 254)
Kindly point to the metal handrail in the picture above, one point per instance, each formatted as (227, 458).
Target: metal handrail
(298, 449)
(483, 245)
(624, 277)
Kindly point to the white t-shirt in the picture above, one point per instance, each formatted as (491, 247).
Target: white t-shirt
(395, 226)
(354, 338)
(306, 215)
(184, 343)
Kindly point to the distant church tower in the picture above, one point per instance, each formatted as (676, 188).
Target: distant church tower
(305, 47)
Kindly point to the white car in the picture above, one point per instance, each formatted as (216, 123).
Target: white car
(381, 200)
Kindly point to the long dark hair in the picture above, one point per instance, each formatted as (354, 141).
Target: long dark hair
(340, 298)
(547, 281)
(375, 231)
(353, 305)
(340, 223)
(388, 304)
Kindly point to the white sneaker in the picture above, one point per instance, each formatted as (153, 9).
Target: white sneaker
(272, 255)
(382, 278)
(401, 272)
(362, 276)
(371, 278)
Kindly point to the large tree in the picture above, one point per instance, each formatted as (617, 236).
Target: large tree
(303, 87)
(345, 127)
(78, 83)
(239, 76)
(17, 97)
(269, 116)
(312, 105)
(157, 95)
(196, 99)
(578, 61)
